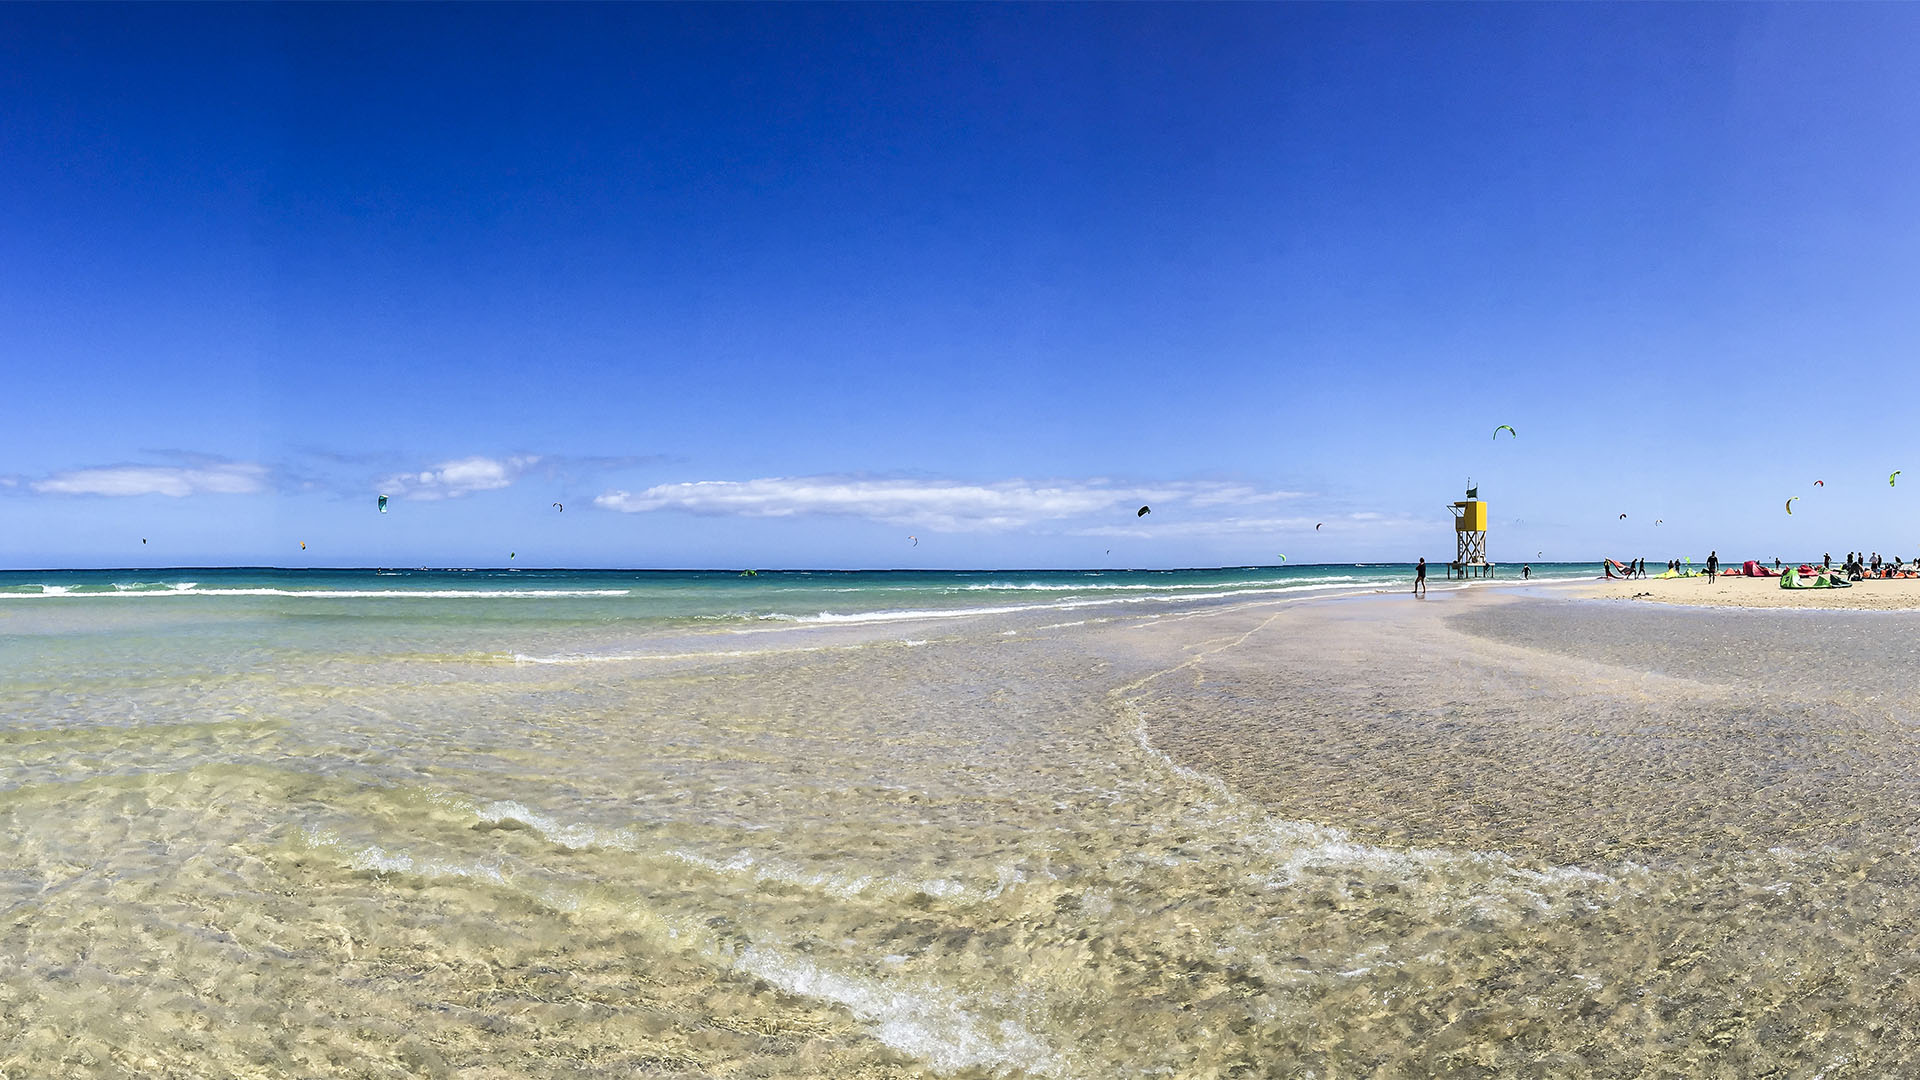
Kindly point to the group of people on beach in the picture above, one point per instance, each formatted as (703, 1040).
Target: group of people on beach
(1861, 566)
(1637, 568)
(1858, 566)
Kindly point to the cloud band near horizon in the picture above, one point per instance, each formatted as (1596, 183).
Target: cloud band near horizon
(931, 504)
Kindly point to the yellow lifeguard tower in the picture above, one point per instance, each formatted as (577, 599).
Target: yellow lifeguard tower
(1470, 529)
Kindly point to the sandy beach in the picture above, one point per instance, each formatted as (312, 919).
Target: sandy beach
(1496, 832)
(1900, 594)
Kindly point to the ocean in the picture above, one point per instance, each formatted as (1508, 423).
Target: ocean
(1050, 824)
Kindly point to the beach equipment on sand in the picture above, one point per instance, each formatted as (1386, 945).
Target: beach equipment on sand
(1790, 503)
(1796, 578)
(1143, 511)
(383, 504)
(1508, 428)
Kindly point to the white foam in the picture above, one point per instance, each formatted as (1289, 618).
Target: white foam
(923, 1022)
(376, 859)
(1039, 586)
(617, 658)
(191, 589)
(574, 837)
(905, 615)
(741, 863)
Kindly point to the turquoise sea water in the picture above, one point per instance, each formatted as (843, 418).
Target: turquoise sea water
(667, 596)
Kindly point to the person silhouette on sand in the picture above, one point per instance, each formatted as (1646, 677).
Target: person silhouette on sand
(1420, 577)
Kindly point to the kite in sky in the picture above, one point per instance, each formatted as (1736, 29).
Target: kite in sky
(1143, 511)
(1508, 428)
(383, 504)
(1790, 503)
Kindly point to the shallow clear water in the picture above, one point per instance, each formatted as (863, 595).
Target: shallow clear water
(1211, 836)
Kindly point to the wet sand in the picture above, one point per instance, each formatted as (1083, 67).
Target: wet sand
(1491, 833)
(1900, 594)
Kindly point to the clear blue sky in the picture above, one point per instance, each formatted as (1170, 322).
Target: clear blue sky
(770, 286)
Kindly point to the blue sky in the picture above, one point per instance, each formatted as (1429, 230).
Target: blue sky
(782, 286)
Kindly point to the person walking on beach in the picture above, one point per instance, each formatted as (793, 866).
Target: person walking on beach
(1713, 564)
(1420, 577)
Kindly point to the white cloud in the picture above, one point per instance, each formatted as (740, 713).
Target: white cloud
(929, 504)
(450, 479)
(237, 478)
